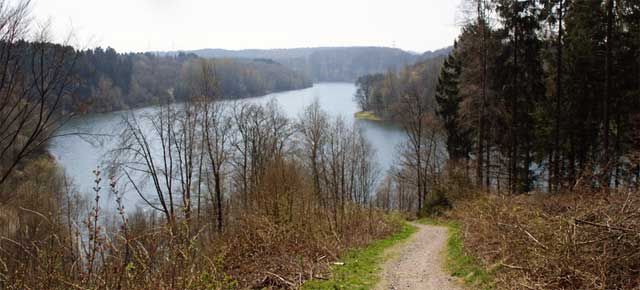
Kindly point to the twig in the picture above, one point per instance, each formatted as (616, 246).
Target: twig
(513, 267)
(534, 239)
(579, 221)
(36, 213)
(281, 279)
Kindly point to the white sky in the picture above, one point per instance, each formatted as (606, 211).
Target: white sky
(152, 25)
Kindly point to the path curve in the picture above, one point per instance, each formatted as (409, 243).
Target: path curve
(418, 264)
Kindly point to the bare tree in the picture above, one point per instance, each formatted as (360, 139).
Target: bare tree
(421, 154)
(178, 149)
(185, 138)
(146, 154)
(312, 127)
(218, 131)
(35, 75)
(263, 132)
(414, 104)
(365, 169)
(335, 169)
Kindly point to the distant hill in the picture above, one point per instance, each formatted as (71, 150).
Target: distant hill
(322, 64)
(436, 53)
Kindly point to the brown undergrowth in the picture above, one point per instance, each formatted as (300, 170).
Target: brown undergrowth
(54, 240)
(266, 254)
(255, 253)
(579, 240)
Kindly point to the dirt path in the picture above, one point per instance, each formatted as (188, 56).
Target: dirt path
(418, 263)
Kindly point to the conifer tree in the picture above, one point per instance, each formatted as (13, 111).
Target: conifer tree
(449, 100)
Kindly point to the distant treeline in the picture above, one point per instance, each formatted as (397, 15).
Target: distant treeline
(326, 64)
(383, 93)
(107, 80)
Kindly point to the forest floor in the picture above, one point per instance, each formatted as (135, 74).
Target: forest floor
(419, 263)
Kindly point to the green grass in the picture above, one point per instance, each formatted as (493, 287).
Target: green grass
(367, 115)
(459, 263)
(362, 267)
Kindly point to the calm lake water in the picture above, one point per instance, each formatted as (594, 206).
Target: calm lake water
(79, 155)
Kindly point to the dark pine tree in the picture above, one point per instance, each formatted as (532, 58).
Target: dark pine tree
(459, 143)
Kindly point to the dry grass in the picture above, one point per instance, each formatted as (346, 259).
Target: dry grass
(53, 242)
(263, 253)
(255, 253)
(570, 241)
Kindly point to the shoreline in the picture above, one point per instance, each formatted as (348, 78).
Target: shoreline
(368, 115)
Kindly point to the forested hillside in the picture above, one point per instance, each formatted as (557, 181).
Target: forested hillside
(547, 95)
(385, 94)
(323, 64)
(107, 80)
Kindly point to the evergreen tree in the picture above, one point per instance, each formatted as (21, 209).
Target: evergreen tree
(551, 114)
(520, 69)
(449, 101)
(584, 85)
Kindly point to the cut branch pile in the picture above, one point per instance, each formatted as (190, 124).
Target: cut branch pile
(573, 241)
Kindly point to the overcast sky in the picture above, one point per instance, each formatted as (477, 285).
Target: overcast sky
(152, 25)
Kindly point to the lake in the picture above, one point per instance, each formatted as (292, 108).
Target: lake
(80, 155)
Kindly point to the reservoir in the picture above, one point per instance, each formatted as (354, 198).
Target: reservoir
(79, 155)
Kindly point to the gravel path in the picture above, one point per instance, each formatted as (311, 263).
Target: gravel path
(418, 263)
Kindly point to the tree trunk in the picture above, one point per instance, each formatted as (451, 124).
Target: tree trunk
(218, 188)
(607, 98)
(555, 182)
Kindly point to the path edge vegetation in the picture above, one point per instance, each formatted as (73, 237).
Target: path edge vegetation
(360, 268)
(458, 262)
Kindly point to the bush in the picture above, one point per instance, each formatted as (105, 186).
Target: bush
(437, 202)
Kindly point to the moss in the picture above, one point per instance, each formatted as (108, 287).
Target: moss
(458, 262)
(362, 267)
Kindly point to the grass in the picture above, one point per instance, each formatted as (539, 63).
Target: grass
(367, 115)
(361, 269)
(458, 262)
